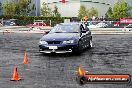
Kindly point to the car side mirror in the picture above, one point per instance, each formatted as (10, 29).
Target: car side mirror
(47, 32)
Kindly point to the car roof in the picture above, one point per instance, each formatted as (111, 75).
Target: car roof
(129, 24)
(71, 23)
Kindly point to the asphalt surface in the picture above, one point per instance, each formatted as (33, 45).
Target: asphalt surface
(110, 54)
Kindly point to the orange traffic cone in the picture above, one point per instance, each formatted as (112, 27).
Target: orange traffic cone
(15, 76)
(25, 60)
(81, 71)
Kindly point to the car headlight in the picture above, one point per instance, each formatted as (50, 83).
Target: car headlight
(43, 42)
(68, 42)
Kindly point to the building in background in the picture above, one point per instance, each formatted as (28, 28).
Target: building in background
(71, 7)
(36, 11)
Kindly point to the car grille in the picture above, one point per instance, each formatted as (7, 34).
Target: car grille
(54, 42)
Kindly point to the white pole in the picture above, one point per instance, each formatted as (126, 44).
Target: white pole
(50, 22)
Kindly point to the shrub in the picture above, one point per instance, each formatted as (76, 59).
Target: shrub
(24, 20)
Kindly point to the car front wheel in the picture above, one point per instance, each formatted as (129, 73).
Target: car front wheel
(79, 48)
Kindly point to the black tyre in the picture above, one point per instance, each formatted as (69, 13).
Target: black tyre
(79, 48)
(81, 80)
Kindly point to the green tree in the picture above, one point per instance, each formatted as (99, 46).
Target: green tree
(109, 13)
(17, 7)
(82, 12)
(9, 8)
(0, 6)
(45, 10)
(93, 12)
(23, 7)
(121, 10)
(56, 12)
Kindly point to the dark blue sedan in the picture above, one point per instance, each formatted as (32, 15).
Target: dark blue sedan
(66, 37)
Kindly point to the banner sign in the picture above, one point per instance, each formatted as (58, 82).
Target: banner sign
(126, 20)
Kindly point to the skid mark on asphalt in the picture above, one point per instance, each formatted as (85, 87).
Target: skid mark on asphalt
(110, 54)
(115, 54)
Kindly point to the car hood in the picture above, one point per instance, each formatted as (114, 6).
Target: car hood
(60, 36)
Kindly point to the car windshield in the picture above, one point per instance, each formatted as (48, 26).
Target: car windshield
(65, 29)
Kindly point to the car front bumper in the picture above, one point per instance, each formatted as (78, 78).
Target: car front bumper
(60, 48)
